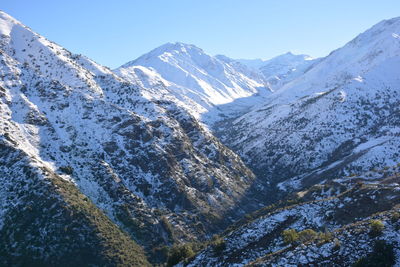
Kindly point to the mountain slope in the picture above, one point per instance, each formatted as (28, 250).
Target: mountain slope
(45, 220)
(340, 117)
(151, 167)
(193, 76)
(281, 69)
(333, 222)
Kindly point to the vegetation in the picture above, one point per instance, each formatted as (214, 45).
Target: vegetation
(67, 170)
(381, 256)
(87, 236)
(325, 237)
(337, 244)
(395, 217)
(376, 227)
(218, 244)
(307, 235)
(290, 236)
(180, 253)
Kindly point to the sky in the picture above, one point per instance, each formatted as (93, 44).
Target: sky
(115, 32)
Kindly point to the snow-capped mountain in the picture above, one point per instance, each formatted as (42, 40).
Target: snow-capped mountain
(341, 116)
(145, 165)
(206, 85)
(281, 69)
(106, 168)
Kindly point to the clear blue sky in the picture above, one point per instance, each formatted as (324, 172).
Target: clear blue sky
(114, 32)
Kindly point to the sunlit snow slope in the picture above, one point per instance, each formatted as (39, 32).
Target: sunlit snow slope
(340, 117)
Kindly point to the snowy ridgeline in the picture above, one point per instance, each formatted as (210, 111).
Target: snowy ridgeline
(212, 88)
(339, 117)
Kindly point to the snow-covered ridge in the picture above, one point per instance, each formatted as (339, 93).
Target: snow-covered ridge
(281, 69)
(192, 75)
(323, 123)
(351, 62)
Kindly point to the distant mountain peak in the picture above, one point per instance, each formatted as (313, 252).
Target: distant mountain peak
(193, 75)
(171, 49)
(177, 46)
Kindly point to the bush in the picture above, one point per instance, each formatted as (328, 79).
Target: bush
(290, 236)
(66, 169)
(395, 217)
(218, 244)
(376, 227)
(179, 253)
(382, 255)
(337, 244)
(325, 237)
(307, 235)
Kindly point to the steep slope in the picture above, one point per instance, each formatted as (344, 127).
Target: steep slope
(332, 221)
(282, 69)
(208, 85)
(152, 168)
(341, 116)
(46, 221)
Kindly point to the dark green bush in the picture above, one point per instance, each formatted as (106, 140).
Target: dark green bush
(336, 244)
(395, 217)
(218, 244)
(381, 256)
(179, 253)
(66, 169)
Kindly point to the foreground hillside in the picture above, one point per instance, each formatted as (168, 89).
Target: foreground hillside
(337, 223)
(47, 221)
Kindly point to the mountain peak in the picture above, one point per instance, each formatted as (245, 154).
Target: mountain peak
(167, 50)
(7, 23)
(177, 46)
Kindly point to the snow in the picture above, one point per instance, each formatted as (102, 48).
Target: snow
(372, 143)
(6, 23)
(351, 95)
(348, 96)
(190, 74)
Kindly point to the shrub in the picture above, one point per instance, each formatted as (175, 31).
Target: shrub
(160, 254)
(395, 217)
(179, 253)
(290, 236)
(307, 235)
(337, 244)
(376, 227)
(382, 255)
(325, 237)
(218, 244)
(66, 169)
